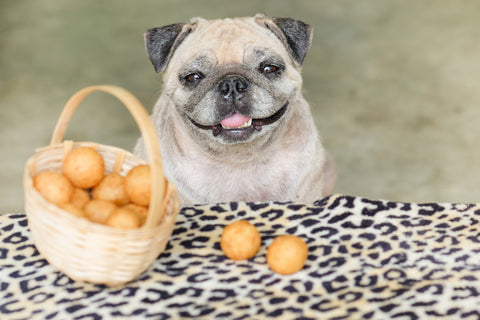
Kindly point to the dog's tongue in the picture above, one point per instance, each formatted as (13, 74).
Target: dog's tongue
(234, 121)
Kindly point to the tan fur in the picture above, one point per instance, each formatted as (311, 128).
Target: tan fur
(284, 161)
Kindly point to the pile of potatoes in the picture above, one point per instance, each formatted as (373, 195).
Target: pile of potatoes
(84, 190)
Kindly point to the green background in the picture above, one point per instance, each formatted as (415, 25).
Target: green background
(394, 85)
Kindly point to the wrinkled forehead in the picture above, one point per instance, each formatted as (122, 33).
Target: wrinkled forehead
(230, 40)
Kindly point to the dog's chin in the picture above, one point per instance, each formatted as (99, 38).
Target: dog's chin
(244, 133)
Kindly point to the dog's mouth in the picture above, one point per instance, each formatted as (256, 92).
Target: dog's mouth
(237, 123)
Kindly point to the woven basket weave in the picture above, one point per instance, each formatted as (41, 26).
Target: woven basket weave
(88, 251)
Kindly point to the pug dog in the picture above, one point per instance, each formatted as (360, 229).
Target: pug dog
(232, 122)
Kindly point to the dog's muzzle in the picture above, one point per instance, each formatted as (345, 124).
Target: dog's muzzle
(256, 124)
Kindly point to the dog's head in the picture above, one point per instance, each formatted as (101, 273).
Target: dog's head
(231, 80)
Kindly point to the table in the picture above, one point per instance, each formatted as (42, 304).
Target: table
(368, 259)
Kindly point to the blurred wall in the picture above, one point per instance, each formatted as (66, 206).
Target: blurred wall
(393, 85)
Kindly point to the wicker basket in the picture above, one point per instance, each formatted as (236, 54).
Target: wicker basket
(84, 250)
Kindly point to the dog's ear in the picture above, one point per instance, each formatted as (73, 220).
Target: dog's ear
(295, 35)
(162, 42)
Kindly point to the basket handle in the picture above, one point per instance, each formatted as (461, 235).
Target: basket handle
(136, 109)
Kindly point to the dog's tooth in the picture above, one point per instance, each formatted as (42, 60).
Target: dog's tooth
(244, 125)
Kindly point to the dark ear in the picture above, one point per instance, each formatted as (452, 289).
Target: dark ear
(160, 43)
(295, 34)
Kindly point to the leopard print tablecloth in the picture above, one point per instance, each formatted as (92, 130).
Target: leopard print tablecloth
(367, 260)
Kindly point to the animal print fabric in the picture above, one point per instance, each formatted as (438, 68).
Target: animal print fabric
(368, 259)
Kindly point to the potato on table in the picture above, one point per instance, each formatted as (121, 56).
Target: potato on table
(287, 254)
(240, 240)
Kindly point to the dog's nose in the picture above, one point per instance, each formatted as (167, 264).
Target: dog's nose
(233, 87)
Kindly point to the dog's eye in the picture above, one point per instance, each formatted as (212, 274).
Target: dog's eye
(193, 77)
(269, 68)
(191, 80)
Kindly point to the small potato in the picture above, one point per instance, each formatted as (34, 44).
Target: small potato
(54, 187)
(138, 185)
(73, 209)
(112, 188)
(80, 197)
(141, 211)
(99, 210)
(287, 254)
(84, 167)
(240, 240)
(123, 219)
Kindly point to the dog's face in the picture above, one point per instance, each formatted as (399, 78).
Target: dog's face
(231, 80)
